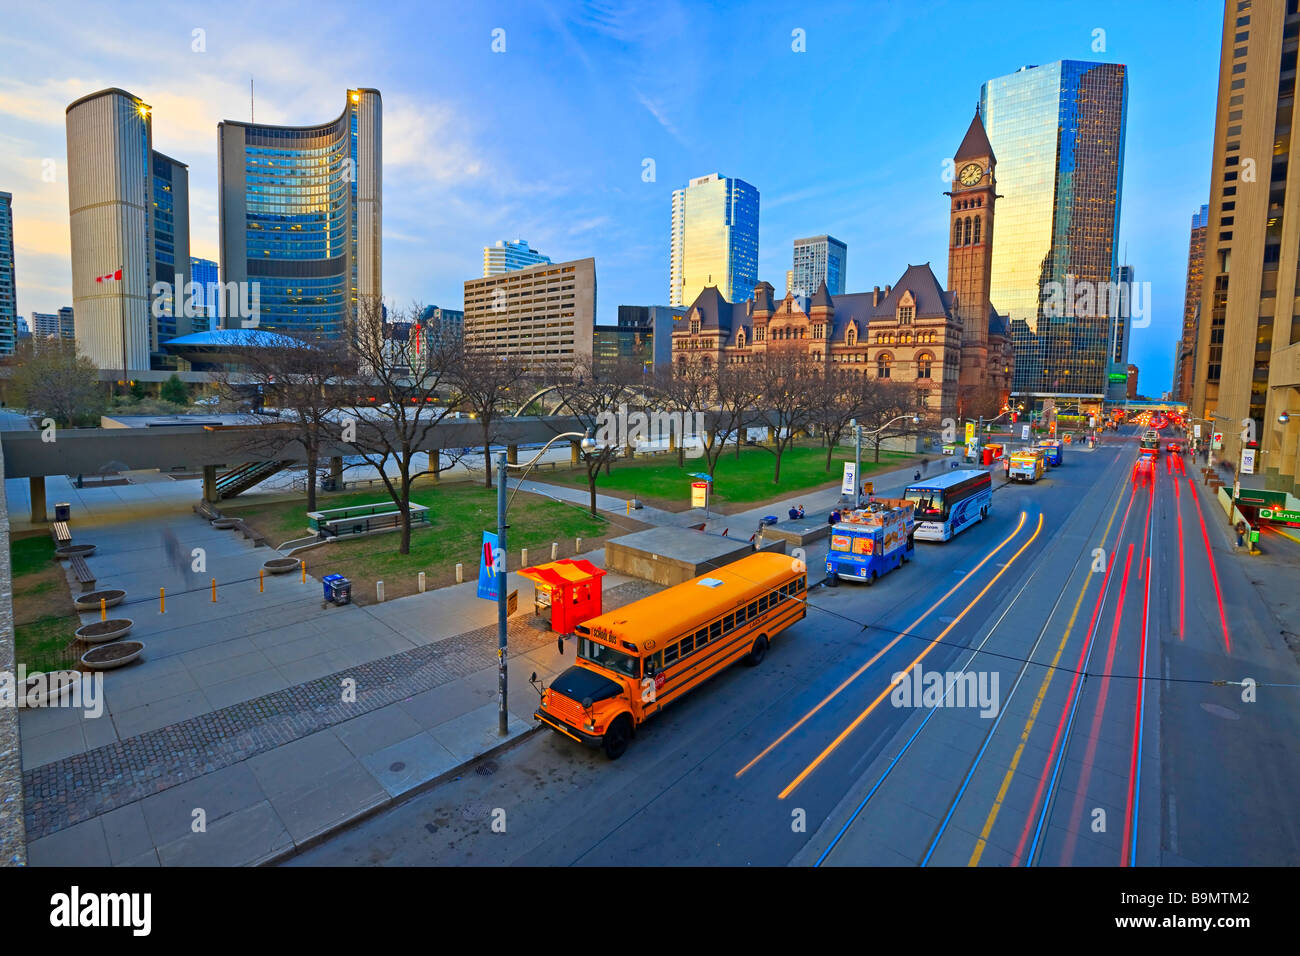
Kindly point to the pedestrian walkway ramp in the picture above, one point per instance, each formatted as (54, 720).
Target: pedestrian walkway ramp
(245, 476)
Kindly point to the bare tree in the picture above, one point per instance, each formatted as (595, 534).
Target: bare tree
(596, 400)
(300, 376)
(58, 381)
(486, 382)
(835, 397)
(974, 401)
(396, 399)
(884, 400)
(783, 374)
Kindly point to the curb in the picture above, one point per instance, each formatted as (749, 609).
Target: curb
(334, 829)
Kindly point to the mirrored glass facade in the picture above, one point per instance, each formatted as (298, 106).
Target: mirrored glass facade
(301, 216)
(818, 259)
(1058, 132)
(714, 239)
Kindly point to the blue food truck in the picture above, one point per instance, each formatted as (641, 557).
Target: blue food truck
(871, 541)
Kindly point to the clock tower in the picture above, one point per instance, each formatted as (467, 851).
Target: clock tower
(970, 248)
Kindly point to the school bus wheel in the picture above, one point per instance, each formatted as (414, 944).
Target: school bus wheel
(617, 737)
(757, 652)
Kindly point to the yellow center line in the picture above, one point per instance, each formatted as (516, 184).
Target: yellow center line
(1284, 534)
(861, 670)
(1038, 703)
(834, 744)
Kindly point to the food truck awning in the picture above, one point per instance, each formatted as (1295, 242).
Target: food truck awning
(564, 571)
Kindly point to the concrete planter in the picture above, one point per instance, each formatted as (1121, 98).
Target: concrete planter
(225, 524)
(74, 550)
(99, 632)
(46, 690)
(90, 602)
(281, 565)
(113, 655)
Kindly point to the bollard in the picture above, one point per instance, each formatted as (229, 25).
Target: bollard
(577, 546)
(523, 557)
(379, 591)
(555, 550)
(261, 581)
(421, 582)
(304, 571)
(214, 590)
(103, 610)
(162, 600)
(460, 573)
(629, 508)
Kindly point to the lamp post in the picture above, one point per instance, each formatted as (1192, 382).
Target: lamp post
(857, 451)
(588, 443)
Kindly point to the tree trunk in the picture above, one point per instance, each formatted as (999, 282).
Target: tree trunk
(830, 450)
(404, 506)
(739, 434)
(487, 454)
(313, 459)
(591, 488)
(877, 449)
(776, 474)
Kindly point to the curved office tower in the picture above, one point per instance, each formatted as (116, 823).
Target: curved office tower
(301, 219)
(110, 199)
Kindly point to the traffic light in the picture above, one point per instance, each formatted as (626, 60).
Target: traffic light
(1013, 418)
(1052, 429)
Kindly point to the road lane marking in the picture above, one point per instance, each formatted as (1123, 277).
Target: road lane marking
(884, 650)
(844, 734)
(992, 817)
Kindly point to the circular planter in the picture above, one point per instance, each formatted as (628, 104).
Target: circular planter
(47, 690)
(90, 602)
(100, 631)
(224, 524)
(73, 550)
(281, 565)
(108, 656)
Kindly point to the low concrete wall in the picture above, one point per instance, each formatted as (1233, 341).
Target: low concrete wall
(800, 533)
(13, 834)
(670, 556)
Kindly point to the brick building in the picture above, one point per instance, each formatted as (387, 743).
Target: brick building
(951, 344)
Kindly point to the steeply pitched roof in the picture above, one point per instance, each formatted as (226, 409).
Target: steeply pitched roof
(976, 144)
(821, 297)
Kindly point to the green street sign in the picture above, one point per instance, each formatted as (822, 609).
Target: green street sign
(1273, 514)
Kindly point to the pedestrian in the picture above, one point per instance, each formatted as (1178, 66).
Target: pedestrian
(835, 516)
(794, 513)
(1241, 534)
(917, 476)
(801, 511)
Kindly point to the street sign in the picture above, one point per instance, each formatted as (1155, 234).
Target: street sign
(970, 432)
(850, 480)
(699, 494)
(487, 575)
(1024, 433)
(1216, 441)
(1276, 514)
(1248, 461)
(1196, 430)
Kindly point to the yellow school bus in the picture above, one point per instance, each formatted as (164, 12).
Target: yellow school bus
(634, 661)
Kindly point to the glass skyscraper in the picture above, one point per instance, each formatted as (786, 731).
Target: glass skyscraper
(1058, 131)
(714, 240)
(818, 259)
(301, 216)
(506, 255)
(8, 290)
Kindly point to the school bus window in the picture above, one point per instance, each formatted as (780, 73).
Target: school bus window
(671, 654)
(701, 636)
(608, 657)
(751, 612)
(729, 623)
(715, 629)
(762, 604)
(688, 644)
(654, 663)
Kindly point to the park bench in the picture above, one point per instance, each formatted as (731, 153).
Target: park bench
(85, 576)
(61, 533)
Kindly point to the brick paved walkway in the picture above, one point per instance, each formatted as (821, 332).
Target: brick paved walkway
(68, 791)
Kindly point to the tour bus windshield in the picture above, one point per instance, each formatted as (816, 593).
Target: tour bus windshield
(607, 657)
(927, 502)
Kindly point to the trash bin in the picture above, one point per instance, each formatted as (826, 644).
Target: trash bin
(342, 591)
(329, 584)
(62, 511)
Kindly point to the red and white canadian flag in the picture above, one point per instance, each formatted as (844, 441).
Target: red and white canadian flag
(111, 277)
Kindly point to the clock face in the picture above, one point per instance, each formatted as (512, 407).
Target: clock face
(970, 174)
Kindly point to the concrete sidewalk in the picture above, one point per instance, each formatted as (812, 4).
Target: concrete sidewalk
(255, 725)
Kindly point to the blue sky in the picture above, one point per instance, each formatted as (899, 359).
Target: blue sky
(547, 140)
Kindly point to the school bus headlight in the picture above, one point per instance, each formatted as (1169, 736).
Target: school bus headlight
(589, 725)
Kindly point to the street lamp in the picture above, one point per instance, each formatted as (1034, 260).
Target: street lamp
(588, 445)
(857, 451)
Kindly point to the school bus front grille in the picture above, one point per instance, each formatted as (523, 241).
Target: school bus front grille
(565, 709)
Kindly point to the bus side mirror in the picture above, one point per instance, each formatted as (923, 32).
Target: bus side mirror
(533, 679)
(586, 703)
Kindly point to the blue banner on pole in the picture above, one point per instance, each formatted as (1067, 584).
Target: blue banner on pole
(487, 562)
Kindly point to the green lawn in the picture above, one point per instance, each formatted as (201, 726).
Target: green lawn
(743, 481)
(42, 606)
(43, 644)
(30, 555)
(458, 513)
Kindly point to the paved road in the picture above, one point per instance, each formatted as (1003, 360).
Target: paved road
(811, 758)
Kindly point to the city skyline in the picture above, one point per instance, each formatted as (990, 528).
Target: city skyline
(462, 179)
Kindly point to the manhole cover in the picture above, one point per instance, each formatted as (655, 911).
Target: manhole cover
(486, 769)
(397, 767)
(1218, 711)
(474, 811)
